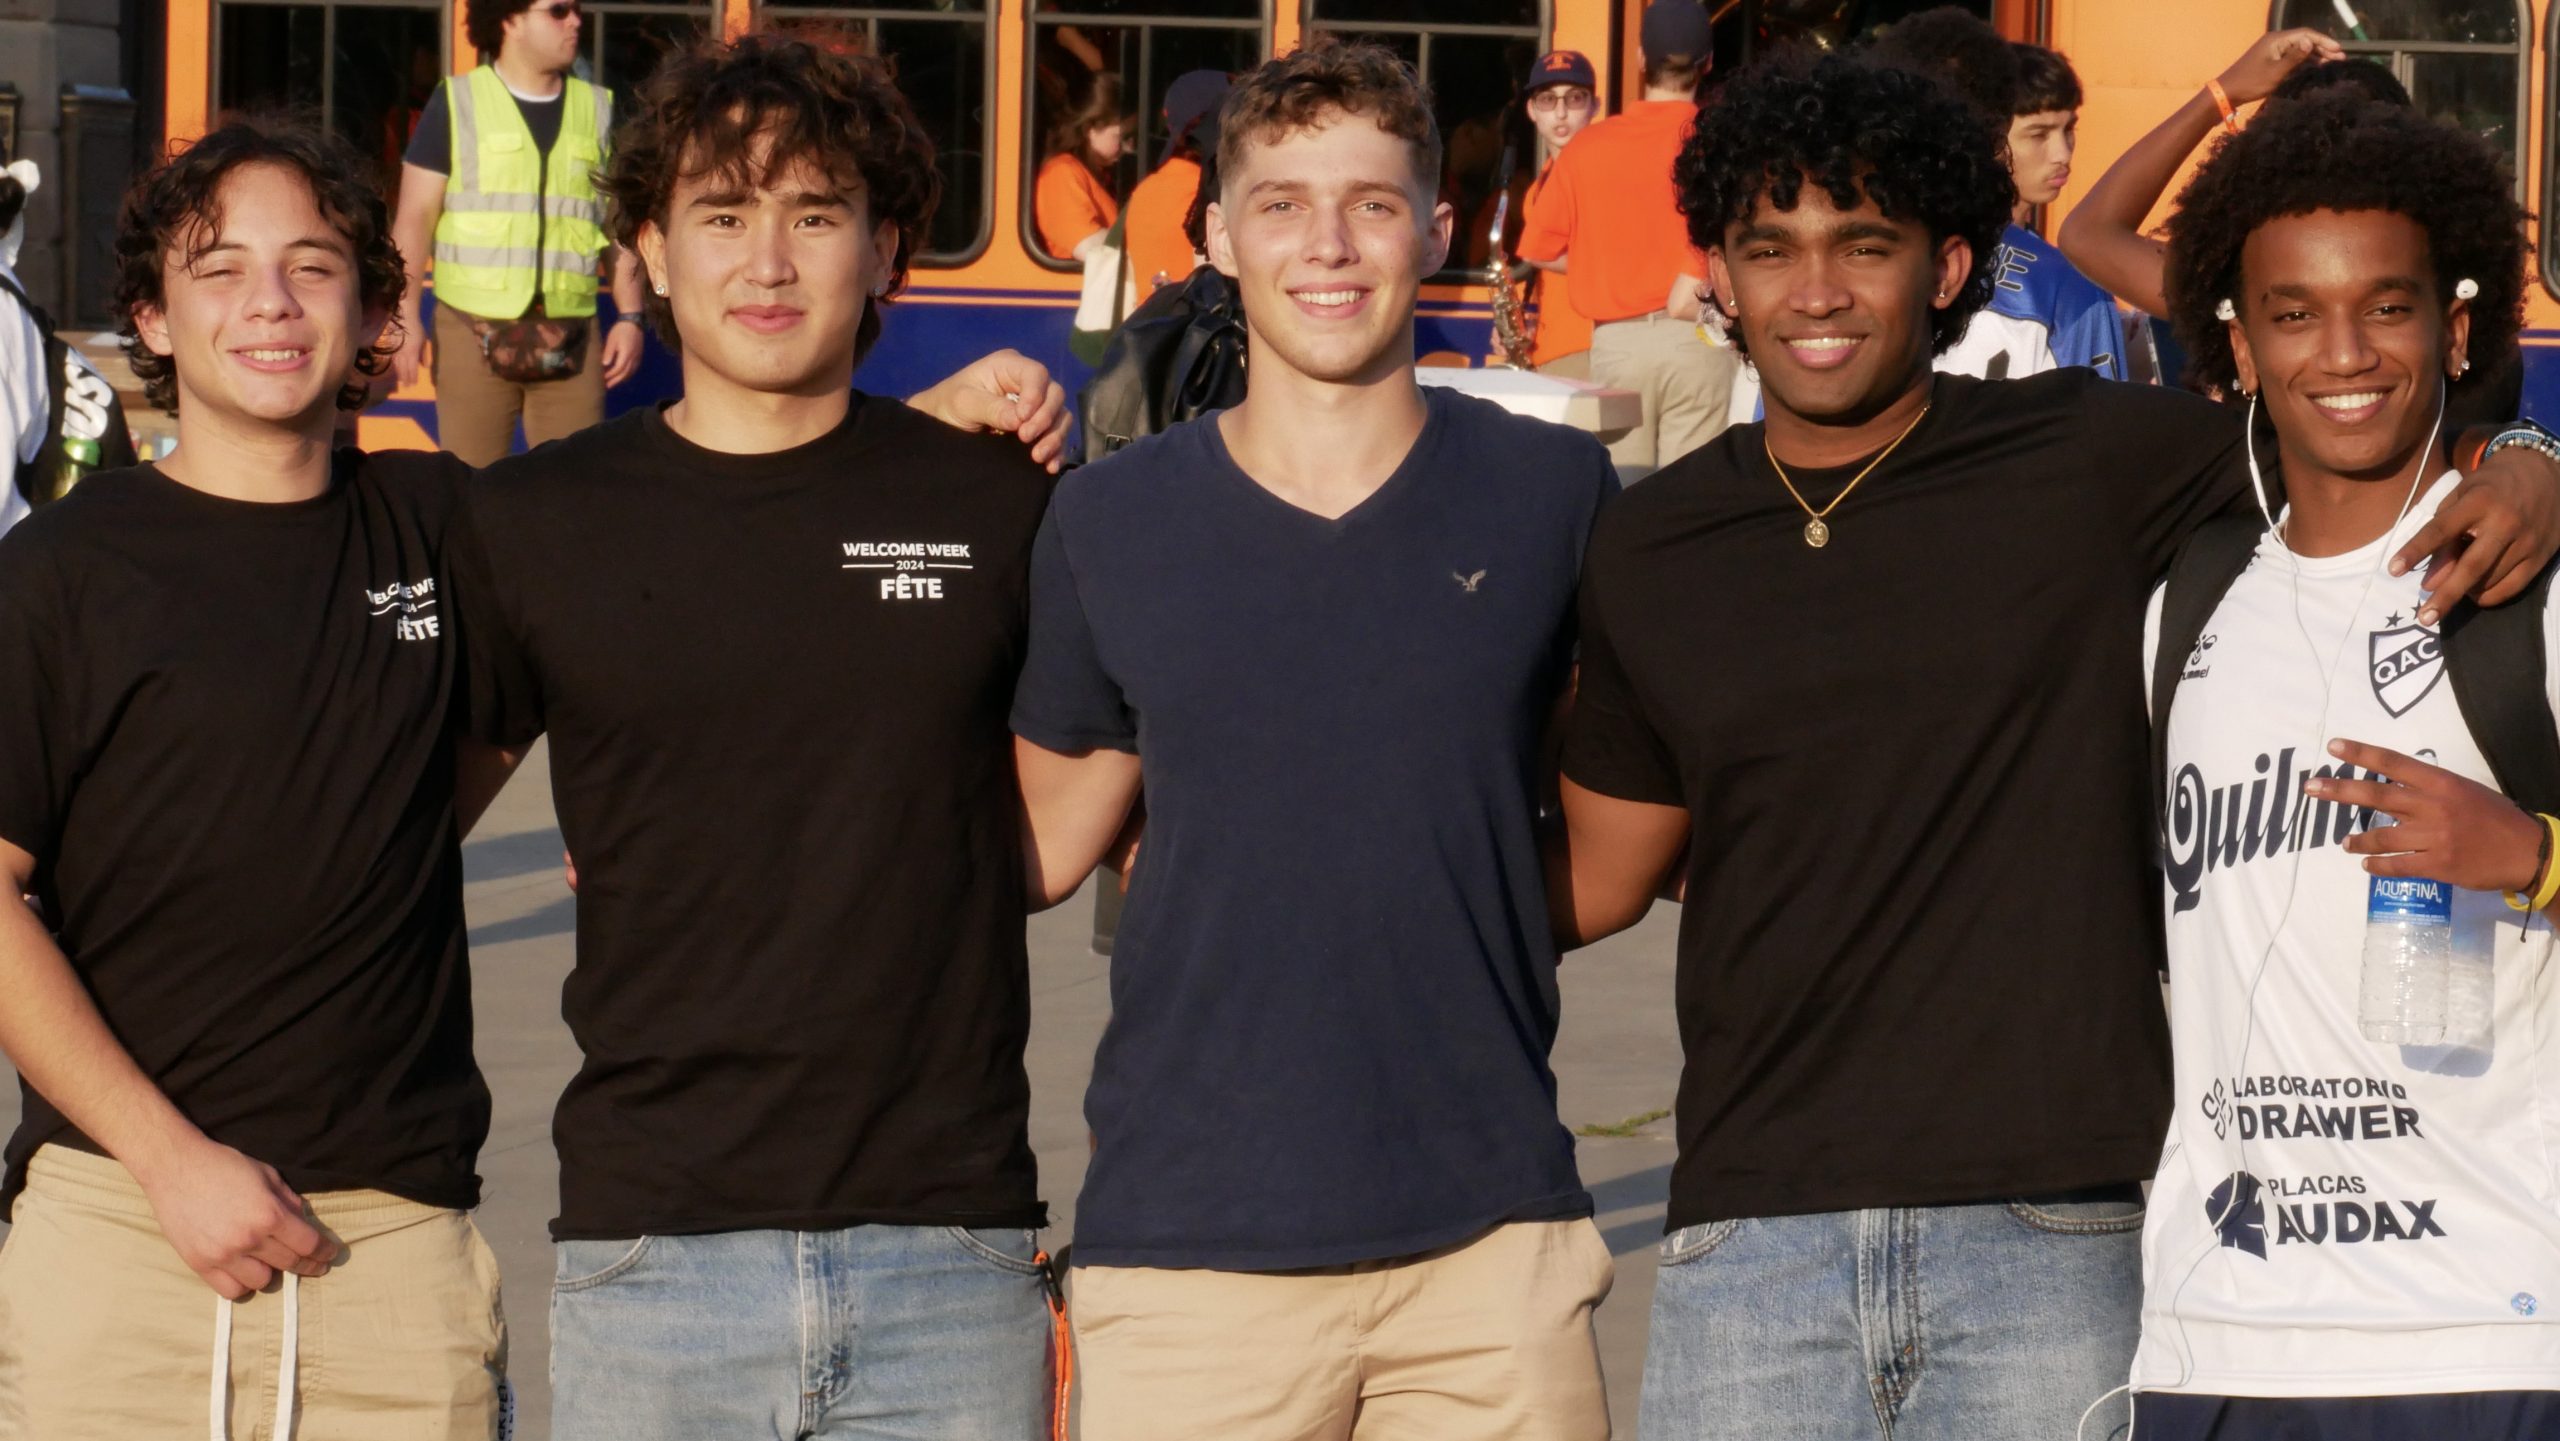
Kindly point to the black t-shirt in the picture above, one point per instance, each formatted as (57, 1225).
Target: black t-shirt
(431, 144)
(226, 744)
(1919, 962)
(776, 688)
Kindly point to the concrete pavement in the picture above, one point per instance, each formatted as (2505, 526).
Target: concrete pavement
(1616, 1062)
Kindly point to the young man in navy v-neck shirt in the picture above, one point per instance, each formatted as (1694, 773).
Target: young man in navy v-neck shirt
(1330, 1195)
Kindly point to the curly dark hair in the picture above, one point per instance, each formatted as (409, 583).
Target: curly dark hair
(174, 212)
(2337, 150)
(484, 23)
(817, 98)
(1898, 138)
(1282, 96)
(2362, 76)
(1968, 56)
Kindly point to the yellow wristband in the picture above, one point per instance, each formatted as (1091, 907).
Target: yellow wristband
(2546, 887)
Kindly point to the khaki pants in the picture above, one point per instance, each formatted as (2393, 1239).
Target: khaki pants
(106, 1336)
(1487, 1340)
(1685, 383)
(476, 412)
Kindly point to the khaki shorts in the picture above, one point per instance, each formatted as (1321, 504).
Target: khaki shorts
(105, 1334)
(1487, 1340)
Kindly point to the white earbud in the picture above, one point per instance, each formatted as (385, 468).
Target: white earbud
(2466, 289)
(2222, 310)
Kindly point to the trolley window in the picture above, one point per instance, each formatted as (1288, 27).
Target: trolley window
(2462, 60)
(369, 67)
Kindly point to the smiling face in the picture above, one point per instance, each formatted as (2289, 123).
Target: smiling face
(1835, 304)
(261, 309)
(2342, 334)
(767, 282)
(541, 40)
(2040, 147)
(1328, 232)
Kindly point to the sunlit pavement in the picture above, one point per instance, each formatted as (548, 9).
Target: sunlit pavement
(1616, 1063)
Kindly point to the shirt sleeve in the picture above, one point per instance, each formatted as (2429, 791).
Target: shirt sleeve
(431, 144)
(1609, 745)
(37, 746)
(1066, 701)
(1548, 226)
(2176, 457)
(501, 689)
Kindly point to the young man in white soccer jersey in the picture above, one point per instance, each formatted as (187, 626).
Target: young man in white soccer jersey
(2347, 1238)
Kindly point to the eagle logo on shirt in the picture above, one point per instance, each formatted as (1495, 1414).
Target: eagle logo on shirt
(2407, 661)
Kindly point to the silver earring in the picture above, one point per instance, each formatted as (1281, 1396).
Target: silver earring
(661, 287)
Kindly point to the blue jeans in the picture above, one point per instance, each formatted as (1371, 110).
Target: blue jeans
(1933, 1323)
(883, 1333)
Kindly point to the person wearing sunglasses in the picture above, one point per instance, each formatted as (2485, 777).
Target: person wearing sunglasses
(1561, 98)
(498, 189)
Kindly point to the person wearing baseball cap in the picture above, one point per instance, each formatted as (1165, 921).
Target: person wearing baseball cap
(1563, 96)
(1608, 206)
(1159, 253)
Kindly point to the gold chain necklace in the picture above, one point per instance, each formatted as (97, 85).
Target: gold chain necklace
(1817, 530)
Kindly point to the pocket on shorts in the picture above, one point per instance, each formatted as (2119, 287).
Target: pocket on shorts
(1015, 1250)
(578, 1265)
(1691, 1243)
(2078, 1218)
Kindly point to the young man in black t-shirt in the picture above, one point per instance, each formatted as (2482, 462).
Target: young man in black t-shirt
(226, 775)
(772, 630)
(1874, 664)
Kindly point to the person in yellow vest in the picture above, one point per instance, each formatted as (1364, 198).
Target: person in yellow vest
(498, 187)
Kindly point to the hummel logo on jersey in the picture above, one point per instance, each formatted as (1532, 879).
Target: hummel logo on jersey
(410, 600)
(915, 569)
(2408, 660)
(1468, 583)
(2196, 667)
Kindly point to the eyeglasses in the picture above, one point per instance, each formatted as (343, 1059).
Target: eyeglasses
(1560, 97)
(561, 9)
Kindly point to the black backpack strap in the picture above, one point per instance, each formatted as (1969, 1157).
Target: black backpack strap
(2500, 670)
(2199, 576)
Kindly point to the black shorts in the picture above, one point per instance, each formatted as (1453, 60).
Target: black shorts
(2463, 1416)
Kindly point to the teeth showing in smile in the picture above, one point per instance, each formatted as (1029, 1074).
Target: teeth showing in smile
(272, 355)
(2357, 401)
(1824, 342)
(1328, 297)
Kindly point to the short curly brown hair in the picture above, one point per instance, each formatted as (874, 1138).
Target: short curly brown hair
(810, 92)
(174, 212)
(1294, 92)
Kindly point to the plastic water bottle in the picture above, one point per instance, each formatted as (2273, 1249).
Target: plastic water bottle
(2408, 945)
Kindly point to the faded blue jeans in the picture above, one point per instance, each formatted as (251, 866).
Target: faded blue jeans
(872, 1333)
(2000, 1322)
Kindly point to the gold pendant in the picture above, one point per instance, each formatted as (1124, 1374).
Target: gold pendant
(1817, 534)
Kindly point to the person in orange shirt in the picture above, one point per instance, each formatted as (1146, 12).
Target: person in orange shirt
(1159, 253)
(1071, 201)
(1563, 97)
(1608, 211)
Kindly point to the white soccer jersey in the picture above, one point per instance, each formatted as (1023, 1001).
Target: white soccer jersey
(2335, 1217)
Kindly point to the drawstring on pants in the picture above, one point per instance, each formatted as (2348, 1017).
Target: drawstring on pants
(218, 1407)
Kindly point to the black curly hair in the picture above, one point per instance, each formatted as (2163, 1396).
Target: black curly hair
(1967, 55)
(1853, 128)
(174, 212)
(2362, 76)
(2337, 150)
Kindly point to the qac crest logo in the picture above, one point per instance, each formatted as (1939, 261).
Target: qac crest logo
(2407, 661)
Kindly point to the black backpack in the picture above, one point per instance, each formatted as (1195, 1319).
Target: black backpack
(2494, 657)
(1180, 356)
(84, 424)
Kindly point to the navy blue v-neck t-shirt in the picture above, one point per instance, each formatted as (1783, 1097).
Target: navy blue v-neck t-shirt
(1333, 990)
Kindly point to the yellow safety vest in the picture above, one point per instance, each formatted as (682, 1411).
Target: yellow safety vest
(514, 227)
